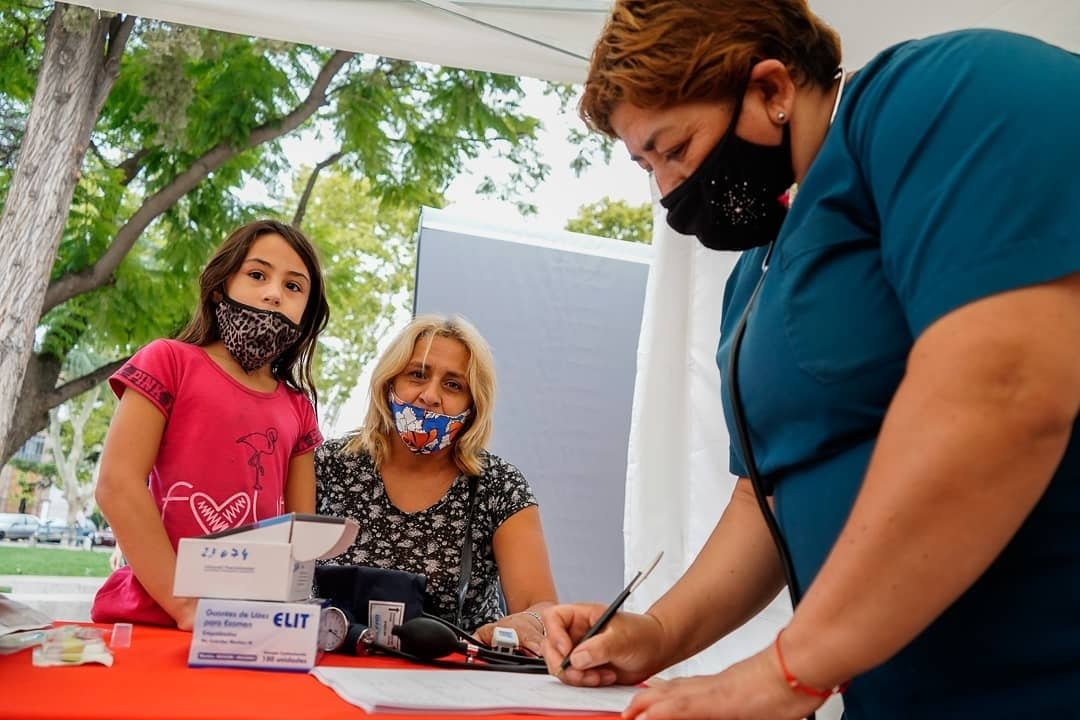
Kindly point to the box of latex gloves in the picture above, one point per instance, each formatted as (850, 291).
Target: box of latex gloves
(256, 634)
(273, 559)
(254, 588)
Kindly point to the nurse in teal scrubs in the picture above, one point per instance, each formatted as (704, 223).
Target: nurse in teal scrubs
(906, 312)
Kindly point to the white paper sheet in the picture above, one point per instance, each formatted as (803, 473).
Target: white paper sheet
(17, 617)
(468, 691)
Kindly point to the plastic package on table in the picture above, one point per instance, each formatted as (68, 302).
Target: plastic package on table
(72, 645)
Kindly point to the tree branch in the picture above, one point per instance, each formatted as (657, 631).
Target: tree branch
(71, 285)
(97, 153)
(79, 385)
(119, 31)
(301, 206)
(132, 165)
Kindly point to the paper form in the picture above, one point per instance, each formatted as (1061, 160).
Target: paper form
(470, 691)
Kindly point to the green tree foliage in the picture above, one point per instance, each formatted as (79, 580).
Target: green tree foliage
(615, 219)
(20, 31)
(191, 116)
(31, 480)
(368, 255)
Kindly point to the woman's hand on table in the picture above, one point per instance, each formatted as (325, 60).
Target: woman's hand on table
(753, 689)
(528, 625)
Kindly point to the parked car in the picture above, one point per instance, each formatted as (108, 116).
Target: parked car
(56, 530)
(104, 536)
(53, 530)
(17, 526)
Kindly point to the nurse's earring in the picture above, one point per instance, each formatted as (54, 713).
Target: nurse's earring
(781, 117)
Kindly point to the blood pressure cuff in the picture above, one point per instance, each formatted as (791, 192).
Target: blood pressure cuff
(354, 587)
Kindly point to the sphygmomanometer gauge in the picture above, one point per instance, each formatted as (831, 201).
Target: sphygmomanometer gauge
(333, 628)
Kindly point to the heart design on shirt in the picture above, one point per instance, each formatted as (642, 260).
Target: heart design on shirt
(214, 517)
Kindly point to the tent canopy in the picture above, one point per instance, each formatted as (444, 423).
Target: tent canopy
(552, 39)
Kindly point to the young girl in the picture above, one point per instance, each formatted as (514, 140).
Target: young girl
(221, 419)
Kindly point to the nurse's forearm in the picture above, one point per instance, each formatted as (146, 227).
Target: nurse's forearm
(734, 576)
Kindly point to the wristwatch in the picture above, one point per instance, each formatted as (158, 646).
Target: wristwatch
(334, 624)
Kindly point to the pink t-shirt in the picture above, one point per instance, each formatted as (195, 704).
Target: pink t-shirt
(223, 459)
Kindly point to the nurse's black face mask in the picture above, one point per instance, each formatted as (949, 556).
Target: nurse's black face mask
(732, 201)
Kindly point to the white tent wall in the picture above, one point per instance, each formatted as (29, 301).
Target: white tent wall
(552, 39)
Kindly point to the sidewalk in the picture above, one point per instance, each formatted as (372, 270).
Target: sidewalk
(61, 598)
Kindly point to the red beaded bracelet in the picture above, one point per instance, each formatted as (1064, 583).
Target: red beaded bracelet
(793, 682)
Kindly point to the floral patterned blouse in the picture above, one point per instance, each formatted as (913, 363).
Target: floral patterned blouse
(428, 541)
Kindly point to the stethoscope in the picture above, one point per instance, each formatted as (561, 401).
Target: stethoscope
(742, 430)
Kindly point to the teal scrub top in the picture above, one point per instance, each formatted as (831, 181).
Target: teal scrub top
(950, 173)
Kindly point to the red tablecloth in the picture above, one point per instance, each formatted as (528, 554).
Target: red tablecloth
(151, 679)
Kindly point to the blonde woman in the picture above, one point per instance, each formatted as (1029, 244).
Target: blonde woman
(406, 475)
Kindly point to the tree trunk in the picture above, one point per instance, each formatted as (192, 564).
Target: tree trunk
(39, 394)
(39, 198)
(67, 464)
(31, 408)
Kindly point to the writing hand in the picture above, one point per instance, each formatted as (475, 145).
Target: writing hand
(627, 651)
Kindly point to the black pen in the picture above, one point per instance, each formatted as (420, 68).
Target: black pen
(612, 609)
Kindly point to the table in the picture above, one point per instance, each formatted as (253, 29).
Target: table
(151, 679)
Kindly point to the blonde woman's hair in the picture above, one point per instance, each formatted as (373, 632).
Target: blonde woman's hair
(379, 430)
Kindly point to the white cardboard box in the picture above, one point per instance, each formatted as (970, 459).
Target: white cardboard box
(271, 560)
(255, 634)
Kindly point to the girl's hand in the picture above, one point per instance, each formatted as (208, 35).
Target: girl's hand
(627, 651)
(753, 689)
(183, 612)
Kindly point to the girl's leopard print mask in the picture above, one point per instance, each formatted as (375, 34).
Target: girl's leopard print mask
(253, 336)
